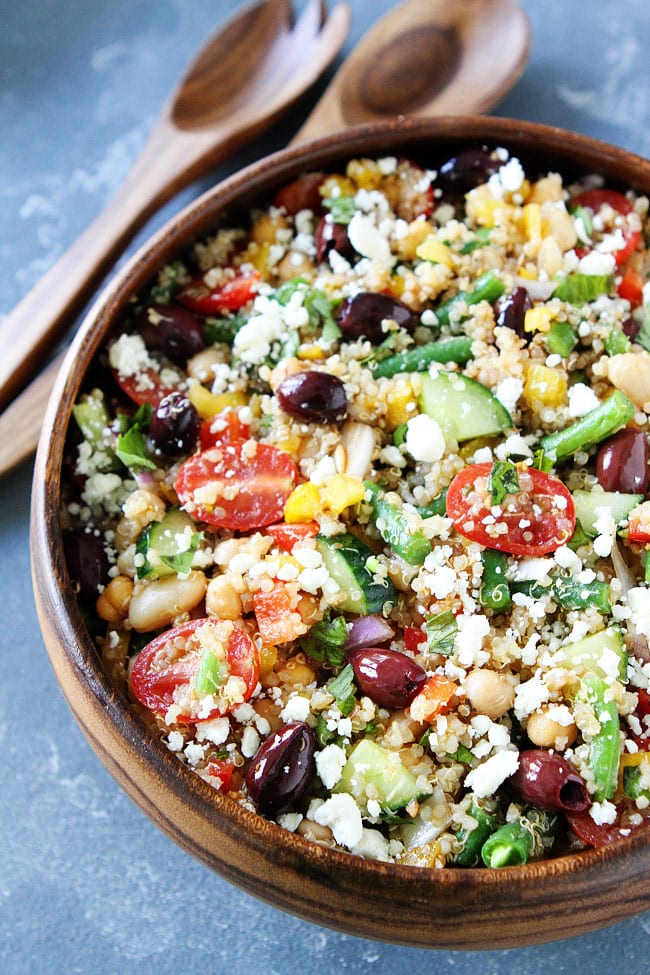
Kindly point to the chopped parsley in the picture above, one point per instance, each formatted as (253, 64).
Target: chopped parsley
(131, 446)
(441, 632)
(342, 208)
(503, 480)
(342, 689)
(326, 639)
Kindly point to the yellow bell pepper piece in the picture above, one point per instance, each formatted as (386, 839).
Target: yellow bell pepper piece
(532, 221)
(538, 319)
(209, 404)
(341, 491)
(303, 504)
(435, 251)
(544, 387)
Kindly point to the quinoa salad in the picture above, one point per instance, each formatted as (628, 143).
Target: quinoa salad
(355, 506)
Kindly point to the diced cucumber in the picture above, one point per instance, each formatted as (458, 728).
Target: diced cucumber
(588, 505)
(391, 782)
(464, 408)
(167, 546)
(345, 558)
(589, 656)
(92, 418)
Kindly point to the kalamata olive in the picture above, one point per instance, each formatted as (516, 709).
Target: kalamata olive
(332, 236)
(175, 426)
(631, 328)
(388, 677)
(622, 462)
(510, 310)
(317, 397)
(361, 316)
(302, 194)
(172, 330)
(468, 169)
(546, 780)
(282, 769)
(87, 562)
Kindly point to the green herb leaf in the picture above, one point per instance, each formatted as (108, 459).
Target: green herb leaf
(576, 289)
(168, 280)
(541, 462)
(503, 480)
(441, 632)
(131, 447)
(342, 208)
(211, 673)
(325, 640)
(222, 331)
(342, 689)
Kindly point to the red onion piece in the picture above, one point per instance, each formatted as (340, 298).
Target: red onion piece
(368, 631)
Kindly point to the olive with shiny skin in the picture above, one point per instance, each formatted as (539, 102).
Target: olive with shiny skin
(548, 781)
(388, 677)
(313, 396)
(172, 330)
(282, 769)
(174, 427)
(622, 462)
(87, 562)
(461, 173)
(331, 236)
(361, 316)
(510, 311)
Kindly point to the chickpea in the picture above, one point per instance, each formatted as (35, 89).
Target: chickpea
(315, 832)
(489, 692)
(545, 731)
(113, 604)
(294, 265)
(265, 229)
(222, 599)
(270, 711)
(161, 602)
(630, 372)
(201, 365)
(296, 670)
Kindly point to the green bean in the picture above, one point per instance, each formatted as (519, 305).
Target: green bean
(569, 593)
(599, 423)
(395, 528)
(488, 288)
(456, 348)
(604, 749)
(509, 846)
(495, 591)
(561, 339)
(472, 840)
(436, 507)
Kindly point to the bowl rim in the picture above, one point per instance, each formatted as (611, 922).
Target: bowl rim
(71, 650)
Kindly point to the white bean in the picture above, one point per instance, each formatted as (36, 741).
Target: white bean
(160, 602)
(630, 372)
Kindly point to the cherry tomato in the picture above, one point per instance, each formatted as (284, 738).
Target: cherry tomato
(242, 485)
(630, 287)
(286, 536)
(146, 386)
(231, 296)
(638, 523)
(594, 835)
(595, 200)
(224, 428)
(276, 620)
(162, 672)
(537, 519)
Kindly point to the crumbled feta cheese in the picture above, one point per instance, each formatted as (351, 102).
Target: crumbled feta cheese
(329, 764)
(529, 696)
(603, 813)
(425, 440)
(128, 355)
(250, 742)
(343, 816)
(372, 845)
(508, 392)
(296, 709)
(638, 600)
(215, 730)
(582, 400)
(606, 528)
(486, 778)
(596, 263)
(472, 630)
(290, 821)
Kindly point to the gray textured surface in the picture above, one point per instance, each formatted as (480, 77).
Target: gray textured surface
(87, 884)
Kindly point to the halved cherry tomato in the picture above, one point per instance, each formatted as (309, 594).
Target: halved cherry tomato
(277, 621)
(241, 485)
(602, 835)
(224, 428)
(168, 663)
(638, 523)
(146, 386)
(536, 520)
(595, 200)
(630, 287)
(286, 536)
(231, 296)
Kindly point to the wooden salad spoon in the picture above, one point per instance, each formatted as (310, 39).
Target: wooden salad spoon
(424, 57)
(249, 72)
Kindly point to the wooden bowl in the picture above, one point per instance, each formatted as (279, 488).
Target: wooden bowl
(450, 908)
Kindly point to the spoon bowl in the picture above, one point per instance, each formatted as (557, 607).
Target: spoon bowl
(427, 57)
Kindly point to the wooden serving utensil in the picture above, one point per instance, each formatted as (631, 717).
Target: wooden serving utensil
(250, 71)
(424, 57)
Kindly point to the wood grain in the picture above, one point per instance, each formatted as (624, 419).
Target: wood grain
(445, 909)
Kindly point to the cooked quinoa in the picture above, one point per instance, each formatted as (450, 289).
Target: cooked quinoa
(357, 511)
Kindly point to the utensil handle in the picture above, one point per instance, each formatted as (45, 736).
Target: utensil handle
(20, 424)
